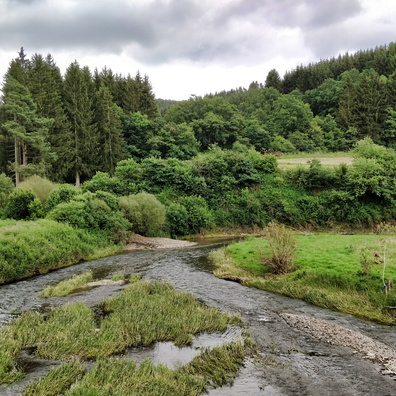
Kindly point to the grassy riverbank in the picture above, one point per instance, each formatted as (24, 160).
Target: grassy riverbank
(28, 248)
(329, 272)
(143, 313)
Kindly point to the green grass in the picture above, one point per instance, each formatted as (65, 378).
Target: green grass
(36, 247)
(119, 376)
(57, 381)
(142, 314)
(337, 154)
(67, 286)
(329, 272)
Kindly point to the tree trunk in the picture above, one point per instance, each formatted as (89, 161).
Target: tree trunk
(17, 160)
(78, 182)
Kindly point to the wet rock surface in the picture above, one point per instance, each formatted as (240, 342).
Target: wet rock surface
(298, 350)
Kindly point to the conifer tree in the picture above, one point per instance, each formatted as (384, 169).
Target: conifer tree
(80, 146)
(27, 130)
(111, 142)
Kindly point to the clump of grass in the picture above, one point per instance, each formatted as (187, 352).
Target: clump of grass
(57, 381)
(213, 367)
(283, 247)
(118, 277)
(142, 314)
(67, 286)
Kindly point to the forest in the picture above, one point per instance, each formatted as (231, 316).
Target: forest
(204, 163)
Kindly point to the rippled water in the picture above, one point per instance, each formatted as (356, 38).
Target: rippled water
(292, 363)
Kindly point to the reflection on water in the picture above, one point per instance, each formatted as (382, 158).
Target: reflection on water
(172, 356)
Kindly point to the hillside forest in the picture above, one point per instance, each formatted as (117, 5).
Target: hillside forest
(209, 161)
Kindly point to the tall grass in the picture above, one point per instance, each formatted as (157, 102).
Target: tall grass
(142, 314)
(67, 286)
(35, 247)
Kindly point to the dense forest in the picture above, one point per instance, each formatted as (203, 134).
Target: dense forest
(198, 164)
(68, 127)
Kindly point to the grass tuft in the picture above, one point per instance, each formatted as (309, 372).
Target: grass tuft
(67, 286)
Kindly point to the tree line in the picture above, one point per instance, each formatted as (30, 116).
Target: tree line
(67, 128)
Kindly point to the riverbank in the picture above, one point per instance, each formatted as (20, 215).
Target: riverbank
(139, 242)
(338, 272)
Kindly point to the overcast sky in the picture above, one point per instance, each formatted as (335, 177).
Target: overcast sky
(193, 46)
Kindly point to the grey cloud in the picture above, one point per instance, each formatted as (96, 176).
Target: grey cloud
(163, 30)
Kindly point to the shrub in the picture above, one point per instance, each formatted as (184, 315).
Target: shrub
(145, 212)
(38, 185)
(199, 216)
(63, 194)
(23, 205)
(283, 247)
(177, 220)
(102, 181)
(6, 188)
(90, 213)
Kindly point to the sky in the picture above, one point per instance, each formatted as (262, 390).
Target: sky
(193, 47)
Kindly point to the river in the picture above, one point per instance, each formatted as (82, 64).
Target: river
(292, 362)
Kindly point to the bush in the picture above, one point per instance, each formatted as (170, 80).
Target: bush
(63, 194)
(23, 205)
(6, 188)
(199, 216)
(91, 213)
(38, 185)
(177, 220)
(145, 212)
(103, 182)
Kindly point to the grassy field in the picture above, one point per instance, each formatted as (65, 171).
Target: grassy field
(330, 272)
(142, 314)
(336, 154)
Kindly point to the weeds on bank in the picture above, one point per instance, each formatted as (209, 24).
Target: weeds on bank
(67, 286)
(142, 314)
(330, 272)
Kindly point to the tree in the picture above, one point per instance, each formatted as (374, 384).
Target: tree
(45, 83)
(111, 142)
(273, 80)
(81, 146)
(27, 130)
(176, 141)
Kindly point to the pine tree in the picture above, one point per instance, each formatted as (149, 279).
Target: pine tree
(28, 131)
(111, 142)
(45, 84)
(80, 146)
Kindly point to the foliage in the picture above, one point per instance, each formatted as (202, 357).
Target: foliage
(283, 247)
(6, 188)
(102, 181)
(199, 218)
(91, 213)
(40, 186)
(145, 212)
(23, 205)
(62, 194)
(31, 247)
(177, 220)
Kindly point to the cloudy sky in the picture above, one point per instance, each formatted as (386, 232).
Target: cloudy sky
(193, 46)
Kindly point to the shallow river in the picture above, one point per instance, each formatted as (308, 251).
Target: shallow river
(292, 362)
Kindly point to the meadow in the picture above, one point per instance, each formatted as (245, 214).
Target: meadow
(339, 272)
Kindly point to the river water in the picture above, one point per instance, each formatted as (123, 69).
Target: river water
(291, 361)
